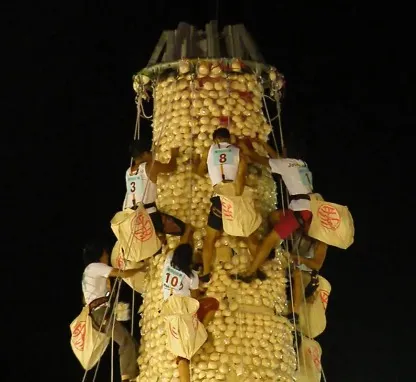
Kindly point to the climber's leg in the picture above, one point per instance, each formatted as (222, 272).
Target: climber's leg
(127, 351)
(213, 229)
(287, 224)
(208, 317)
(264, 250)
(252, 243)
(297, 290)
(274, 217)
(183, 367)
(207, 252)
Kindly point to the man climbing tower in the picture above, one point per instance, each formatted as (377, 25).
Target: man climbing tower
(225, 164)
(308, 256)
(298, 180)
(178, 279)
(96, 290)
(141, 181)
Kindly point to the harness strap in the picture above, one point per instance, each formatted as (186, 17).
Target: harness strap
(299, 197)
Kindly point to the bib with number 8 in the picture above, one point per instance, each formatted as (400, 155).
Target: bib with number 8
(223, 156)
(306, 177)
(172, 278)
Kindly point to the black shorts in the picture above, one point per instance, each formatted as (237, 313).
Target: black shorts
(167, 224)
(215, 214)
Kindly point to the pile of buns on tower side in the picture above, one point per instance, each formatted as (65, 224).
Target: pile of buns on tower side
(248, 339)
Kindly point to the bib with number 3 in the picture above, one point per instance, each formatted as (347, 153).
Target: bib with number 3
(223, 156)
(306, 177)
(172, 278)
(135, 185)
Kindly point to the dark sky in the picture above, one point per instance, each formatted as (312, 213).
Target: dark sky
(70, 115)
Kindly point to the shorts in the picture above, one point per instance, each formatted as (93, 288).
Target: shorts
(288, 223)
(215, 214)
(167, 224)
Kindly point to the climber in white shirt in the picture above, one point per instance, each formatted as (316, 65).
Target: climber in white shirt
(141, 181)
(179, 279)
(298, 180)
(225, 163)
(96, 290)
(308, 256)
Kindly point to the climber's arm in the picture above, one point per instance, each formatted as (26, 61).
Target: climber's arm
(159, 167)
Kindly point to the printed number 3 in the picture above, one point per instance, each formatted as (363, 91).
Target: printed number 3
(223, 158)
(132, 186)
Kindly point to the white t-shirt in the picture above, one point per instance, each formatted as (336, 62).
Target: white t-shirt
(223, 158)
(176, 282)
(139, 184)
(94, 281)
(297, 178)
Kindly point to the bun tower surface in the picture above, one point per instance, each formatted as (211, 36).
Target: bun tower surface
(200, 80)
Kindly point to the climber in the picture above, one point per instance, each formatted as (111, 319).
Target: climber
(307, 255)
(96, 290)
(141, 181)
(298, 180)
(225, 163)
(178, 279)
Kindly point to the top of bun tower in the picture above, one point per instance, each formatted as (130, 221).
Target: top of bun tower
(207, 52)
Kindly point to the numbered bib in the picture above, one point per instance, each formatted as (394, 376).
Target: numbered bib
(306, 177)
(223, 156)
(135, 185)
(172, 279)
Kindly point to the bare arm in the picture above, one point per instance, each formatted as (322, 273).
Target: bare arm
(159, 167)
(320, 254)
(200, 164)
(187, 235)
(240, 180)
(124, 274)
(270, 150)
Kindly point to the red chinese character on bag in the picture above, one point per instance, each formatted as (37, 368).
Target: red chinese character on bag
(314, 353)
(324, 298)
(173, 331)
(78, 336)
(142, 227)
(120, 261)
(227, 210)
(329, 217)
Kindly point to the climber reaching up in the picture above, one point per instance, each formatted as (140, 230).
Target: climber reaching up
(96, 290)
(225, 164)
(141, 181)
(298, 180)
(179, 280)
(308, 256)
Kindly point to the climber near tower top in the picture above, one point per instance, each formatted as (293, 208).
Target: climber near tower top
(298, 181)
(141, 180)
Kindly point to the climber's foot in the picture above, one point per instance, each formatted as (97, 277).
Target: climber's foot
(205, 278)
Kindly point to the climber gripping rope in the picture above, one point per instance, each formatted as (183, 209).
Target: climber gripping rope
(183, 313)
(298, 180)
(95, 287)
(308, 256)
(141, 181)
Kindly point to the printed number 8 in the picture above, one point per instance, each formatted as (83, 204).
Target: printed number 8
(132, 186)
(223, 158)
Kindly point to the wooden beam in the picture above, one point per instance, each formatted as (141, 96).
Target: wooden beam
(249, 44)
(158, 49)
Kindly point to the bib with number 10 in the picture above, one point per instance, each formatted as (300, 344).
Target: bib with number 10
(224, 156)
(172, 278)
